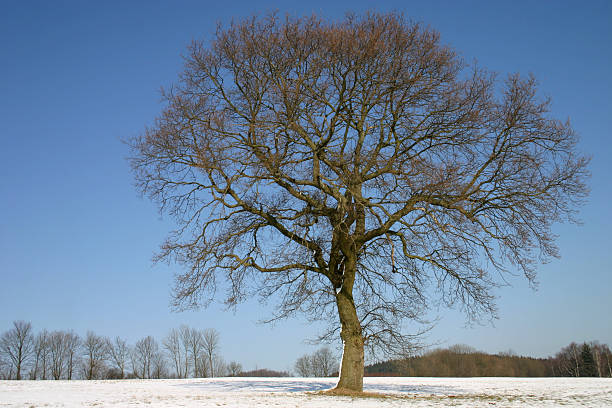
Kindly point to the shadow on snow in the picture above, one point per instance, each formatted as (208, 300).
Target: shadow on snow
(314, 385)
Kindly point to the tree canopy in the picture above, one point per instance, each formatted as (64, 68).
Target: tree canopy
(345, 167)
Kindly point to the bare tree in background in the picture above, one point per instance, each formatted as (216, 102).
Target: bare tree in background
(172, 344)
(177, 344)
(234, 369)
(158, 365)
(568, 360)
(41, 356)
(181, 344)
(210, 343)
(606, 360)
(346, 168)
(94, 353)
(73, 343)
(185, 335)
(118, 353)
(221, 368)
(303, 366)
(324, 362)
(195, 341)
(143, 357)
(17, 345)
(57, 353)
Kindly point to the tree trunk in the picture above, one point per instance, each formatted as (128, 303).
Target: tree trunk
(351, 367)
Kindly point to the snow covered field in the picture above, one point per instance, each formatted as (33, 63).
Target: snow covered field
(297, 392)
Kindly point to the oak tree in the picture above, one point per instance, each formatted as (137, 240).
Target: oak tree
(345, 168)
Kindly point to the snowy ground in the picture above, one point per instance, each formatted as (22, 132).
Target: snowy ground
(297, 392)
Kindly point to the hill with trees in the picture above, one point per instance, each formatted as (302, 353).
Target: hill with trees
(586, 360)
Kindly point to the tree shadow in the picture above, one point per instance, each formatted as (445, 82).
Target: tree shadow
(262, 385)
(302, 385)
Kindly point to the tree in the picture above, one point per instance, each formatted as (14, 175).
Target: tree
(41, 356)
(194, 340)
(601, 357)
(172, 344)
(234, 369)
(118, 353)
(608, 355)
(73, 342)
(158, 364)
(319, 364)
(145, 358)
(569, 360)
(606, 360)
(210, 343)
(17, 345)
(324, 362)
(220, 367)
(347, 167)
(58, 352)
(303, 366)
(95, 352)
(588, 367)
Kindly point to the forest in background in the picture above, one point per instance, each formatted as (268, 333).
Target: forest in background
(575, 360)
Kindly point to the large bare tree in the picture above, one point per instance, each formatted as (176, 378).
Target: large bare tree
(346, 167)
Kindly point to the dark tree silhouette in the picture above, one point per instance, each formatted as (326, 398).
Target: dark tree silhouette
(345, 167)
(588, 369)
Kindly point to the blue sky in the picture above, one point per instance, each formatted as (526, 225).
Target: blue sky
(76, 240)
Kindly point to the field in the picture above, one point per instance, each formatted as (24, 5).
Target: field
(301, 392)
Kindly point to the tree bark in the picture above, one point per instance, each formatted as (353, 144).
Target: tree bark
(352, 365)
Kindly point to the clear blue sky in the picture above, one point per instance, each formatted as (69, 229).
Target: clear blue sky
(76, 240)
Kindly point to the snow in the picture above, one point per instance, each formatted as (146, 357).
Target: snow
(297, 392)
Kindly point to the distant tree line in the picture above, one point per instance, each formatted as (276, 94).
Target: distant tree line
(187, 352)
(264, 372)
(184, 352)
(587, 360)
